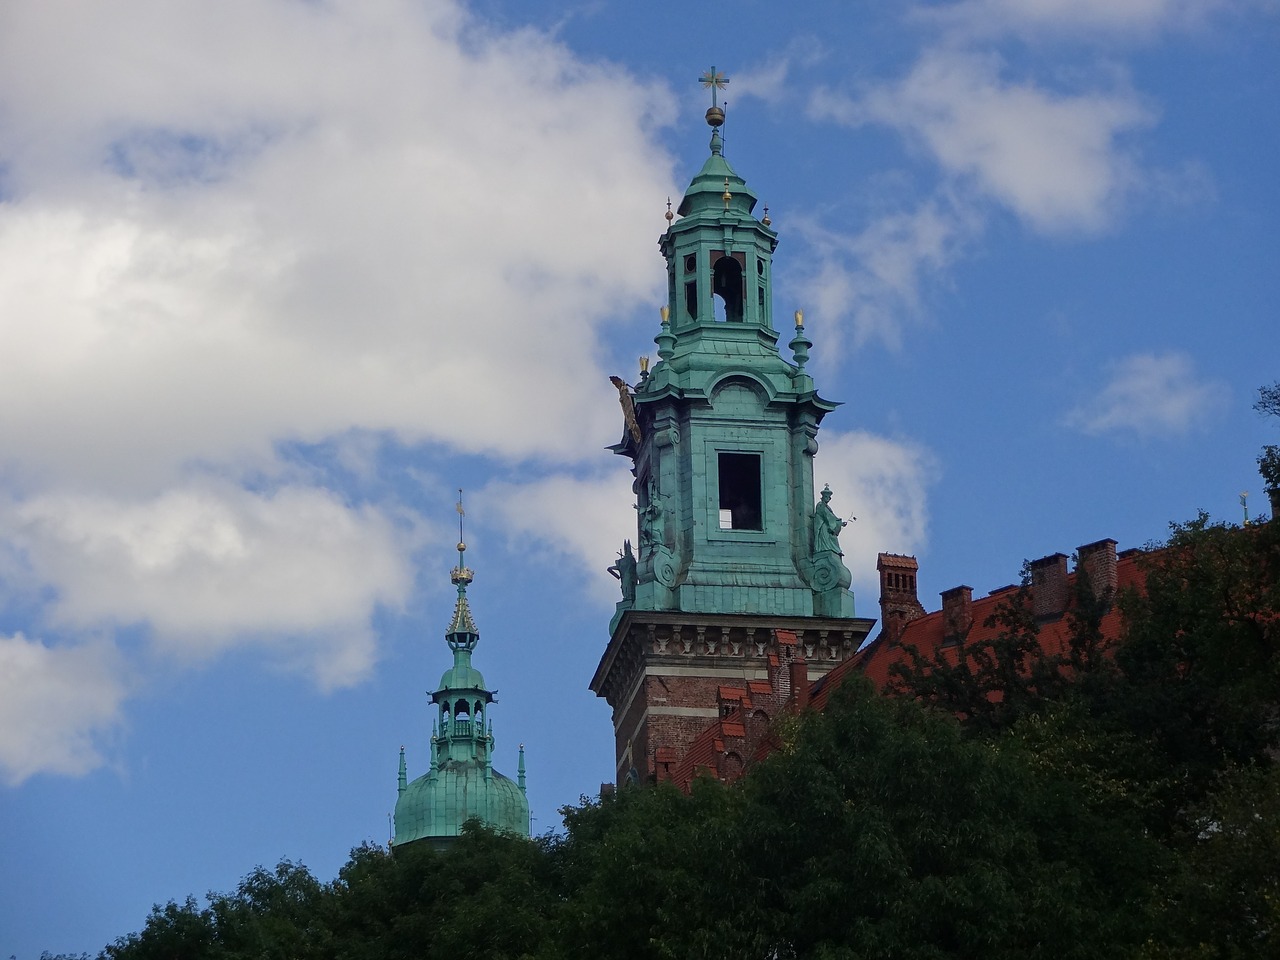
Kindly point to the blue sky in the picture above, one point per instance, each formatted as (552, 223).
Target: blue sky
(279, 277)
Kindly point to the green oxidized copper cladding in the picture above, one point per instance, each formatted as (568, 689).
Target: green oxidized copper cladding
(726, 427)
(461, 783)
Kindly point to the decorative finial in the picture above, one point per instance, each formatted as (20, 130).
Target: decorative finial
(765, 219)
(716, 81)
(670, 216)
(800, 344)
(644, 367)
(460, 576)
(726, 196)
(666, 340)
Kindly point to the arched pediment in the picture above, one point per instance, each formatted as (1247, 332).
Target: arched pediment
(740, 390)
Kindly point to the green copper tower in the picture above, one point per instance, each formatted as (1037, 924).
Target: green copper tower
(722, 434)
(461, 783)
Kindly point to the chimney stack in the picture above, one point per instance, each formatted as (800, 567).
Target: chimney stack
(899, 603)
(800, 682)
(1049, 586)
(1097, 561)
(957, 612)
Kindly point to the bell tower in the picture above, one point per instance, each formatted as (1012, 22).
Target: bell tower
(721, 433)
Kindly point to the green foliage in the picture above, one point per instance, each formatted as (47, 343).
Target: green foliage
(885, 832)
(654, 873)
(1200, 661)
(1268, 401)
(1269, 466)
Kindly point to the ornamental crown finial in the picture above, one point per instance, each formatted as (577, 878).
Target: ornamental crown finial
(716, 82)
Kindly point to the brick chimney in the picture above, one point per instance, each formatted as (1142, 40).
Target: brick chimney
(1097, 561)
(957, 612)
(800, 682)
(1049, 586)
(899, 603)
(783, 651)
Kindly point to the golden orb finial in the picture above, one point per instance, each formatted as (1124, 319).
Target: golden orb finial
(716, 82)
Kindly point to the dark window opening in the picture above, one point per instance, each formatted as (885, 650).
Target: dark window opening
(691, 298)
(726, 283)
(760, 267)
(740, 491)
(690, 263)
(760, 297)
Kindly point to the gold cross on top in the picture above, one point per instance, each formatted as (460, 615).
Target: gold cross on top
(716, 81)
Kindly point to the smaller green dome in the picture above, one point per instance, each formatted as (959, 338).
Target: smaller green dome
(437, 804)
(461, 677)
(706, 192)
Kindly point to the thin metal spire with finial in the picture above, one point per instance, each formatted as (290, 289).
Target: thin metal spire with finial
(460, 576)
(716, 81)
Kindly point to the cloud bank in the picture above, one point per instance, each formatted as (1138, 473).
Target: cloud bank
(1150, 395)
(57, 704)
(385, 219)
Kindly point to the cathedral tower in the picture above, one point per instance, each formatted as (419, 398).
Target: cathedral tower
(721, 434)
(461, 783)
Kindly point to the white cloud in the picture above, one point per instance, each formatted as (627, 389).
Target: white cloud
(211, 567)
(766, 81)
(1150, 395)
(574, 520)
(884, 483)
(228, 228)
(874, 279)
(1123, 18)
(57, 704)
(1055, 159)
(382, 214)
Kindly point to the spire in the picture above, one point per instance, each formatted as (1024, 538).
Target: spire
(404, 774)
(716, 184)
(520, 770)
(461, 782)
(463, 632)
(462, 694)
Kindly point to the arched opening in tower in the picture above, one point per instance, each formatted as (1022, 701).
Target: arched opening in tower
(726, 285)
(461, 719)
